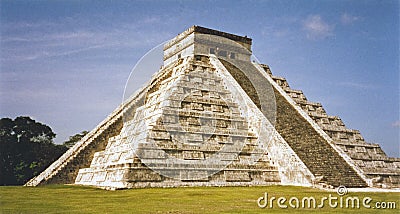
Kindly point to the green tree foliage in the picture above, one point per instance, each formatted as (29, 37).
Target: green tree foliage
(74, 139)
(26, 149)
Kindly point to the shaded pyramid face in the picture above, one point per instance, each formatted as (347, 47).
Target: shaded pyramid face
(212, 116)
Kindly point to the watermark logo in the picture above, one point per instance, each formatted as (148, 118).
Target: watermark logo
(331, 201)
(341, 190)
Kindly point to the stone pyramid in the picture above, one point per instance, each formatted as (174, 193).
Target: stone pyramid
(211, 116)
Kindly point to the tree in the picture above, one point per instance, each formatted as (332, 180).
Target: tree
(26, 149)
(74, 139)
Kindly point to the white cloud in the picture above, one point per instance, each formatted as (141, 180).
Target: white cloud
(357, 85)
(348, 19)
(396, 123)
(34, 41)
(317, 28)
(55, 53)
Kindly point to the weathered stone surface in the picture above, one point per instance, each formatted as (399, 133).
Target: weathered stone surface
(192, 136)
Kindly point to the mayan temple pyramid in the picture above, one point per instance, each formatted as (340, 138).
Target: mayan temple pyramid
(213, 116)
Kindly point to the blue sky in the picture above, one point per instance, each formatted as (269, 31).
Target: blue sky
(65, 63)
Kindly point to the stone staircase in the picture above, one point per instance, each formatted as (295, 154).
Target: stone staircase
(64, 169)
(383, 171)
(316, 153)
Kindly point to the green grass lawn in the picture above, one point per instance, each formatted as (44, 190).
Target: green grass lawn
(76, 199)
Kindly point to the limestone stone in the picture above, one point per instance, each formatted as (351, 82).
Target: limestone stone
(212, 117)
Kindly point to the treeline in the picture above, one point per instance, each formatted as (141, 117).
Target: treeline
(27, 148)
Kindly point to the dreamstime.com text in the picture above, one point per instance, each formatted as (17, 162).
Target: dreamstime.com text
(331, 200)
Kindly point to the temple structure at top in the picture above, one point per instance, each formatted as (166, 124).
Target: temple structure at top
(203, 41)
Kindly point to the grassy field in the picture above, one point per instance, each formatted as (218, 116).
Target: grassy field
(75, 199)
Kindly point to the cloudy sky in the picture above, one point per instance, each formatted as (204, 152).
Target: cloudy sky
(65, 63)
